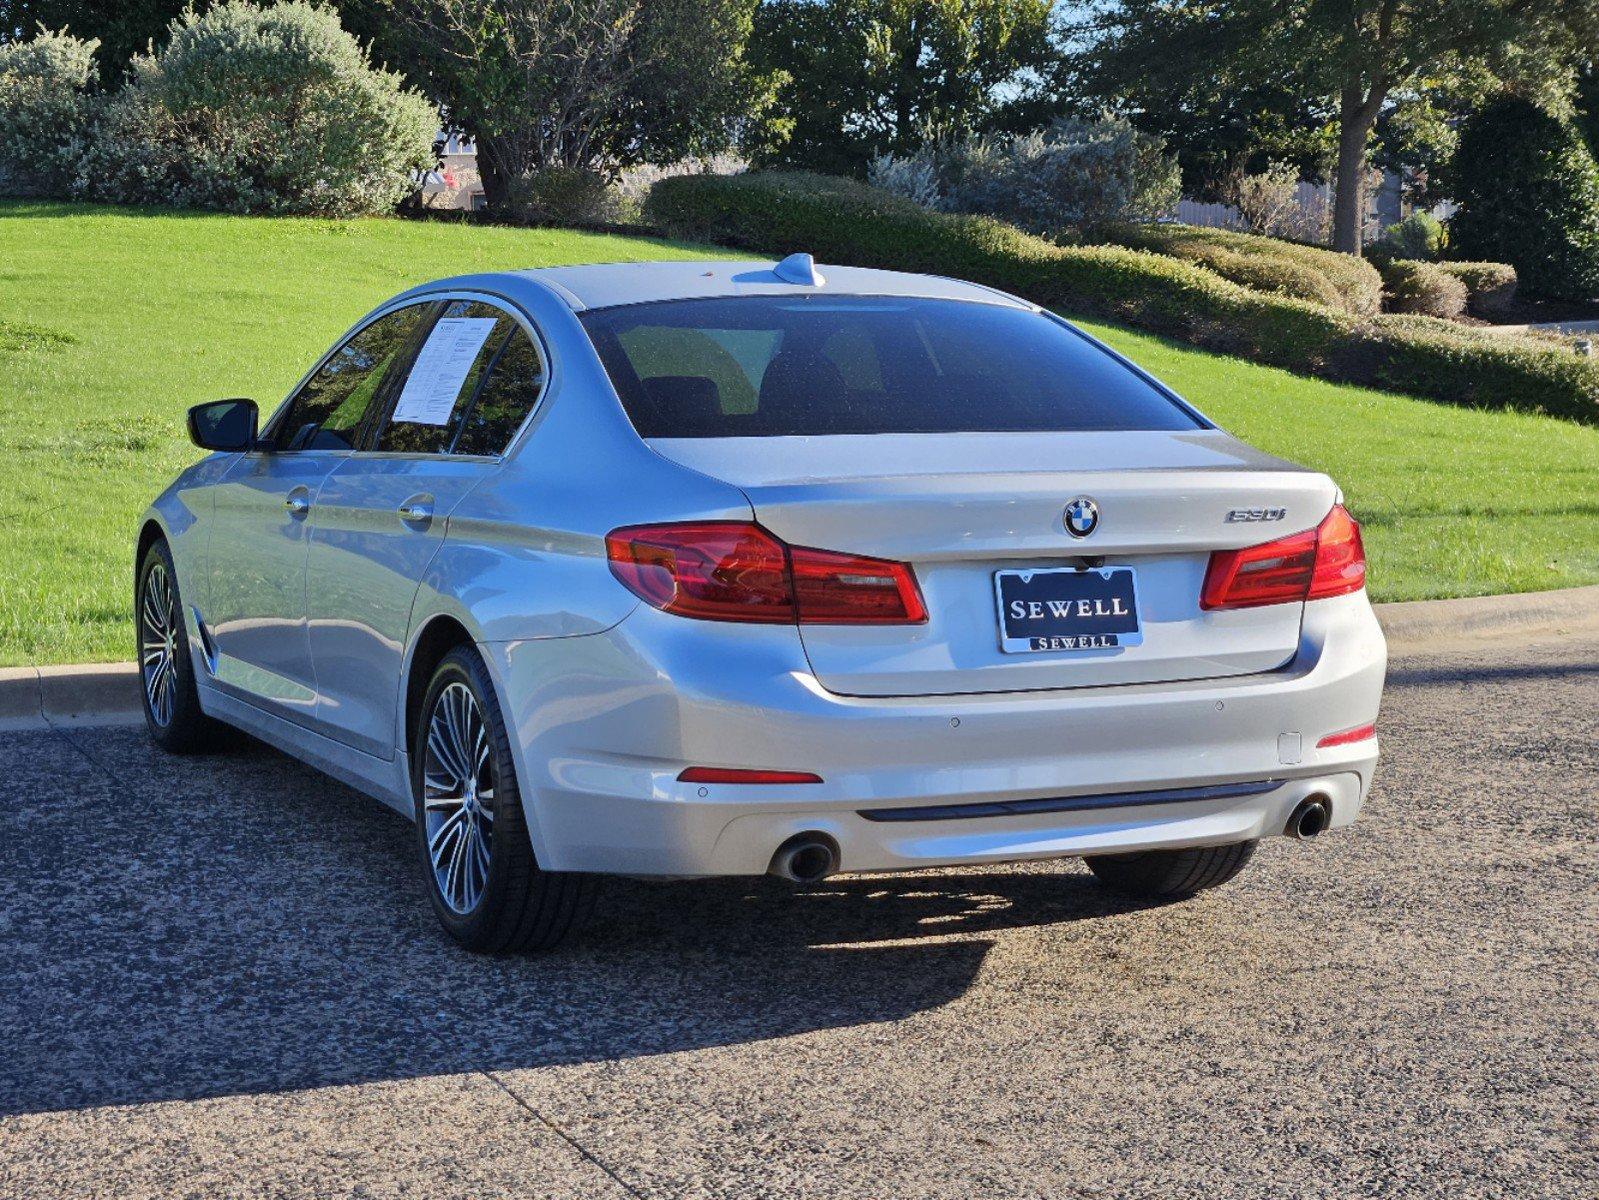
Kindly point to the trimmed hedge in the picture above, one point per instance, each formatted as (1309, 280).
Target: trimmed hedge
(1420, 287)
(1490, 286)
(849, 223)
(1267, 264)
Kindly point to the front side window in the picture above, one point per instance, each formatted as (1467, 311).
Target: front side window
(773, 366)
(328, 412)
(475, 378)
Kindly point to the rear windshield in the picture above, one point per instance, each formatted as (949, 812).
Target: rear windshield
(773, 366)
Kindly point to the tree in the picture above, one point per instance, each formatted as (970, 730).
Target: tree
(1348, 58)
(872, 77)
(575, 85)
(1528, 190)
(124, 27)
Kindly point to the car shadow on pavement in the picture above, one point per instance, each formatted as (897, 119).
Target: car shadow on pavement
(174, 929)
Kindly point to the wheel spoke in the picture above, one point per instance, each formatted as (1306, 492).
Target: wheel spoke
(460, 848)
(451, 824)
(481, 844)
(161, 691)
(152, 617)
(439, 751)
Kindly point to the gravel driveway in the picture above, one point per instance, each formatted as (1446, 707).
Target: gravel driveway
(220, 976)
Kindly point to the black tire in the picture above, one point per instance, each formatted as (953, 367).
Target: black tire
(1171, 874)
(518, 907)
(171, 703)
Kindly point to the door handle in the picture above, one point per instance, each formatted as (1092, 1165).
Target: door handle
(418, 511)
(297, 505)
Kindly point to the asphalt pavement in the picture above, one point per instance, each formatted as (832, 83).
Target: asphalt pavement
(219, 976)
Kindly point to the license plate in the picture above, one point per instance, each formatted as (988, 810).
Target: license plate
(1065, 609)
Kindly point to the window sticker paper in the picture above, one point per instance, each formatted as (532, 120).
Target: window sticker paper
(441, 368)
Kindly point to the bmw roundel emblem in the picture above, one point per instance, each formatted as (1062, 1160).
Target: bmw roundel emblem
(1082, 515)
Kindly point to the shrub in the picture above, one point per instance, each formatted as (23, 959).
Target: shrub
(625, 204)
(1421, 287)
(559, 196)
(853, 224)
(915, 177)
(1072, 175)
(45, 111)
(1482, 368)
(1419, 236)
(1270, 205)
(1529, 195)
(1490, 287)
(268, 110)
(1307, 272)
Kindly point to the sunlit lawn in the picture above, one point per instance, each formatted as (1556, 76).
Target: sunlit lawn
(113, 322)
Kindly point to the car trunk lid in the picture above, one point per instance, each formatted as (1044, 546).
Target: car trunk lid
(962, 508)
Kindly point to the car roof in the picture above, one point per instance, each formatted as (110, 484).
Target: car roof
(602, 285)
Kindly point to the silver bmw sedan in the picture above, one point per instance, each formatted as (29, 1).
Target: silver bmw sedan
(687, 569)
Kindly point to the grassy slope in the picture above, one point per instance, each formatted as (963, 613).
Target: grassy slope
(1455, 502)
(112, 323)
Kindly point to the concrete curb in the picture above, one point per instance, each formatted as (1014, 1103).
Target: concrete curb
(92, 694)
(1416, 625)
(108, 693)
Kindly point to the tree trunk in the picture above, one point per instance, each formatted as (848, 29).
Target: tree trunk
(496, 172)
(1356, 115)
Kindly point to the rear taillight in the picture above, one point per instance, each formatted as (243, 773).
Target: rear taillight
(737, 571)
(1326, 561)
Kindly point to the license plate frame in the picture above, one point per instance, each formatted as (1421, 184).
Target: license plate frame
(1109, 625)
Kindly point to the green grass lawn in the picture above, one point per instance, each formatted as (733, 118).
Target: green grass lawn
(113, 322)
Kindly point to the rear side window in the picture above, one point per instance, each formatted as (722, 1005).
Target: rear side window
(474, 380)
(328, 412)
(769, 366)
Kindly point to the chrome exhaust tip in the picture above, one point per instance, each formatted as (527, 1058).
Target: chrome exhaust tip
(805, 858)
(1312, 815)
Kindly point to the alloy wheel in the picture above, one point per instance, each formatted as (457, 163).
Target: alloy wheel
(158, 644)
(458, 797)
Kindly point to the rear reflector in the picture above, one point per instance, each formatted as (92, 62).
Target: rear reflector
(1344, 737)
(733, 775)
(1326, 561)
(737, 571)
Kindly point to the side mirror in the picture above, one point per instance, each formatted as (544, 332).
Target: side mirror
(223, 425)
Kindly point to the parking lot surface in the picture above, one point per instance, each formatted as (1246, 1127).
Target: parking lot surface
(220, 976)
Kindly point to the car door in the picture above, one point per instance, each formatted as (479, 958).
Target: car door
(383, 511)
(254, 626)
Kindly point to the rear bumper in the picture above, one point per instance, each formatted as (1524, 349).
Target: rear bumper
(605, 723)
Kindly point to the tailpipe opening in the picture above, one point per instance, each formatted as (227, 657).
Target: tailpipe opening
(1312, 815)
(805, 858)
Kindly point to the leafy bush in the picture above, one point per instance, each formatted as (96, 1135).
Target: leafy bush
(854, 224)
(1073, 175)
(559, 196)
(1420, 287)
(1528, 189)
(1307, 272)
(1490, 287)
(1270, 205)
(269, 110)
(1419, 236)
(625, 204)
(1428, 357)
(45, 111)
(915, 177)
